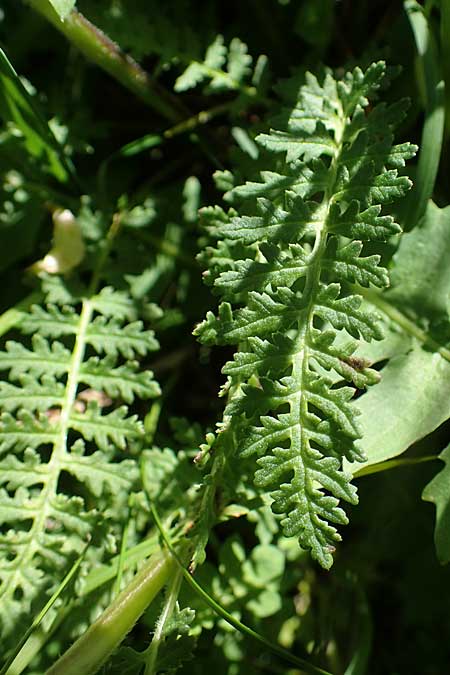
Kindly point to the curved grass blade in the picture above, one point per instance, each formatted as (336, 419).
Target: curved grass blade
(121, 564)
(445, 48)
(392, 464)
(64, 583)
(430, 73)
(96, 645)
(17, 106)
(222, 612)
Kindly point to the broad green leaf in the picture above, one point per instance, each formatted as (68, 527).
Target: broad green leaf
(411, 400)
(420, 279)
(438, 492)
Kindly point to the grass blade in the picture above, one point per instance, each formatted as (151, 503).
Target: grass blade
(95, 646)
(445, 48)
(17, 106)
(222, 612)
(429, 71)
(65, 582)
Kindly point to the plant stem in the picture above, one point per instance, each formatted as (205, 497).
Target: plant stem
(393, 464)
(131, 557)
(93, 648)
(430, 80)
(224, 614)
(15, 661)
(101, 50)
(200, 118)
(36, 643)
(120, 566)
(158, 636)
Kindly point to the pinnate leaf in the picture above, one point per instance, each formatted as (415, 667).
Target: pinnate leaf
(284, 276)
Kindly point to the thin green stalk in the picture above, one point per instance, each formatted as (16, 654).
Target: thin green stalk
(120, 567)
(36, 643)
(430, 73)
(153, 140)
(93, 648)
(229, 618)
(169, 249)
(200, 118)
(101, 50)
(104, 253)
(166, 614)
(14, 663)
(150, 141)
(132, 556)
(393, 464)
(151, 421)
(445, 49)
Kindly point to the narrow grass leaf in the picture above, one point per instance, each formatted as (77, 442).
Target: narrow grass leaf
(222, 612)
(36, 622)
(430, 72)
(17, 106)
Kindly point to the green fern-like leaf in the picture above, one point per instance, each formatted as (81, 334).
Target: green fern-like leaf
(64, 416)
(287, 272)
(223, 68)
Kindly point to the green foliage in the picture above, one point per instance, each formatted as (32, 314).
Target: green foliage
(287, 278)
(63, 7)
(18, 107)
(437, 491)
(415, 318)
(148, 525)
(59, 401)
(237, 61)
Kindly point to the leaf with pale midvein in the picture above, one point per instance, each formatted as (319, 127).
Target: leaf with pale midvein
(284, 269)
(55, 393)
